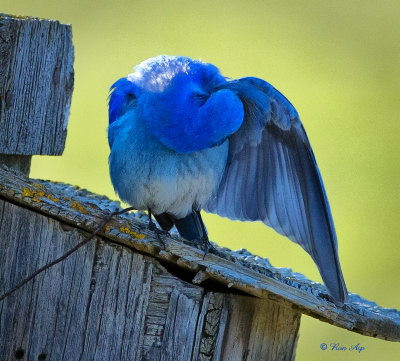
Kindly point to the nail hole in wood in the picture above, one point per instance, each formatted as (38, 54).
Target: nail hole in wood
(19, 353)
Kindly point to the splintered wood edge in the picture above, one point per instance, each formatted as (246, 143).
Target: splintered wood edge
(84, 210)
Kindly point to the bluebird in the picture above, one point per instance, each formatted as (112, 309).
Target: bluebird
(184, 138)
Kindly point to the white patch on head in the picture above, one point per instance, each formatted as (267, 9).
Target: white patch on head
(155, 74)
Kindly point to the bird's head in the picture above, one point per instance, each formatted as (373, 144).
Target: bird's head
(180, 100)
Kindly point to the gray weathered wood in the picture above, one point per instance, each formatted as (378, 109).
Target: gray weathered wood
(267, 330)
(106, 302)
(36, 82)
(21, 163)
(240, 328)
(231, 270)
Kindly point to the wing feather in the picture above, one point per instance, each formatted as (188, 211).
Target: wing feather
(272, 176)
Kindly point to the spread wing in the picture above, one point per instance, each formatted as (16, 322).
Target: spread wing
(272, 176)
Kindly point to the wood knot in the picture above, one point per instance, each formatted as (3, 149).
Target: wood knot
(56, 74)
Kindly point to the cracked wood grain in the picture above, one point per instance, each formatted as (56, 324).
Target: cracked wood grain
(236, 328)
(87, 307)
(267, 330)
(212, 317)
(106, 302)
(173, 306)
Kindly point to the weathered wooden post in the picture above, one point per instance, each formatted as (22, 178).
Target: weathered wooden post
(129, 294)
(36, 82)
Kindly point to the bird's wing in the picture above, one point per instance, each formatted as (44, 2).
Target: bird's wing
(272, 176)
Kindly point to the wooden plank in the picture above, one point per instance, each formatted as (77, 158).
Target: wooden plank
(106, 302)
(241, 328)
(171, 316)
(36, 83)
(40, 315)
(82, 209)
(117, 304)
(210, 328)
(84, 308)
(260, 330)
(256, 330)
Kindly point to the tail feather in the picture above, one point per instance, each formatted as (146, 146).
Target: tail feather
(190, 227)
(331, 273)
(165, 221)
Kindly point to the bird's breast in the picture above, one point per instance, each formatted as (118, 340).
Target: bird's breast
(146, 174)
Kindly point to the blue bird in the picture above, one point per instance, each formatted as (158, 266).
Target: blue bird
(184, 138)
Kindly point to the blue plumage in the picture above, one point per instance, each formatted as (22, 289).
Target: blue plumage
(122, 96)
(184, 138)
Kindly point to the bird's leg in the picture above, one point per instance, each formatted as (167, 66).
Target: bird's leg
(152, 226)
(204, 242)
(206, 245)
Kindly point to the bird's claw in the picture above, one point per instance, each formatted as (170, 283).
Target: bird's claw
(159, 232)
(206, 246)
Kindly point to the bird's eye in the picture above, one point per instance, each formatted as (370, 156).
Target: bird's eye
(201, 98)
(131, 100)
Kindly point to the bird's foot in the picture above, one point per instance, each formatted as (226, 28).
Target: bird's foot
(206, 246)
(159, 232)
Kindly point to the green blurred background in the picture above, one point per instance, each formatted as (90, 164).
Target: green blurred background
(339, 64)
